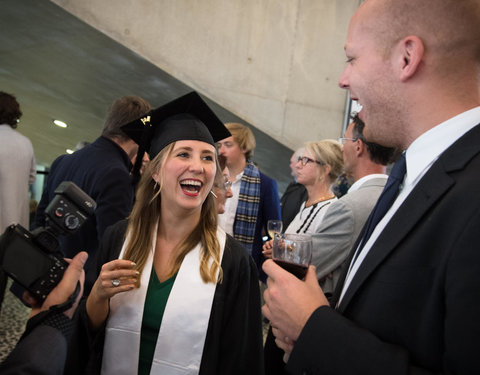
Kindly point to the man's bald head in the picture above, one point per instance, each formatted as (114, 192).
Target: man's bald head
(412, 64)
(448, 28)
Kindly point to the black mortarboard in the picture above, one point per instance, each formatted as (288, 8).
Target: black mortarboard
(185, 118)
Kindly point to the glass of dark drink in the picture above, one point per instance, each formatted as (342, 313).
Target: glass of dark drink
(293, 252)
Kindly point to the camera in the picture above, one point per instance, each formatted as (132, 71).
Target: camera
(34, 259)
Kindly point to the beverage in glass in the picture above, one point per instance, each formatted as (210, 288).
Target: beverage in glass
(274, 226)
(293, 252)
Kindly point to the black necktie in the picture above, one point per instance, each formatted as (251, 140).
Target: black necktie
(386, 199)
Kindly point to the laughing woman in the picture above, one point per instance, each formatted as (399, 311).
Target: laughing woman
(175, 294)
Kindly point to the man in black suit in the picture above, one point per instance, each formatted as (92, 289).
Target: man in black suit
(102, 170)
(408, 302)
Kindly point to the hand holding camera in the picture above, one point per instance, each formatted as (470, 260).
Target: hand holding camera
(34, 259)
(73, 276)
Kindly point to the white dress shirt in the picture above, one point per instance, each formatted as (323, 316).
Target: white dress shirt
(227, 219)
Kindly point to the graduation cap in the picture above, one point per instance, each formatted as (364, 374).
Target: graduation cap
(185, 118)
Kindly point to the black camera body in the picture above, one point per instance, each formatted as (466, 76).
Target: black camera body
(34, 259)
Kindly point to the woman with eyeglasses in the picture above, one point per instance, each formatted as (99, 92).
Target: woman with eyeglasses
(222, 188)
(317, 168)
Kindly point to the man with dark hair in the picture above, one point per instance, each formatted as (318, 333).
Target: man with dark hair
(101, 169)
(17, 166)
(378, 154)
(408, 301)
(365, 162)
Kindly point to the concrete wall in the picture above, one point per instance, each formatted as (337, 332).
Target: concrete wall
(274, 63)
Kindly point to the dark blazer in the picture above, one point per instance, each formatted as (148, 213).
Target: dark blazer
(413, 306)
(268, 209)
(102, 170)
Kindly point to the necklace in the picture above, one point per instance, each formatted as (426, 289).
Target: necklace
(321, 199)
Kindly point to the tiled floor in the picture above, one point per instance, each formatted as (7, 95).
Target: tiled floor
(13, 318)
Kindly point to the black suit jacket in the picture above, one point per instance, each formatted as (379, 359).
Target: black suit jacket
(413, 306)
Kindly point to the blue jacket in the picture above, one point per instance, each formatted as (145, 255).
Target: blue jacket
(269, 209)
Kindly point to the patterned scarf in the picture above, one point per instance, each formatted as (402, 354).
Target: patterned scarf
(247, 208)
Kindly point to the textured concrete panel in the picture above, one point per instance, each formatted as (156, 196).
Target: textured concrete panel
(273, 63)
(309, 124)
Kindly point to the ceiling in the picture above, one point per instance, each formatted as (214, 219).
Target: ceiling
(58, 67)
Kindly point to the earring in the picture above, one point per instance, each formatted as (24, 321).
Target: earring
(215, 195)
(155, 186)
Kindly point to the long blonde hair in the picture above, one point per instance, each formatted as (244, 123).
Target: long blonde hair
(146, 213)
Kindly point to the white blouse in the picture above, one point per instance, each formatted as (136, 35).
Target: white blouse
(308, 219)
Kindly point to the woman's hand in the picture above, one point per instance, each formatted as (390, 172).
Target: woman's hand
(117, 276)
(268, 249)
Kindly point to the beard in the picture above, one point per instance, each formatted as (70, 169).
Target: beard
(384, 116)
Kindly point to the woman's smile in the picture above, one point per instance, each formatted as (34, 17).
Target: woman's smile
(191, 187)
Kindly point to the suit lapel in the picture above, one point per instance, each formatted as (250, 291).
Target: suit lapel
(428, 191)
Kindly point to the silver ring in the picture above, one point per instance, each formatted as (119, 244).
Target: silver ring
(115, 282)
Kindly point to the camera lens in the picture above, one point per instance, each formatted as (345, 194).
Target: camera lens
(71, 222)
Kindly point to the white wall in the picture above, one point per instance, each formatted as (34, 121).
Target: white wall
(274, 63)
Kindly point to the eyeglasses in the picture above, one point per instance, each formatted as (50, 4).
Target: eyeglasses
(225, 186)
(342, 141)
(305, 159)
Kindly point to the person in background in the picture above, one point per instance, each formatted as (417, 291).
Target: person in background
(365, 163)
(341, 185)
(102, 170)
(317, 168)
(295, 193)
(407, 302)
(173, 293)
(17, 172)
(255, 195)
(222, 188)
(17, 166)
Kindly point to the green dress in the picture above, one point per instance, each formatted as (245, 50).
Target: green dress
(155, 302)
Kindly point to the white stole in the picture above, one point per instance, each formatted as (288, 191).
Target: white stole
(184, 325)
